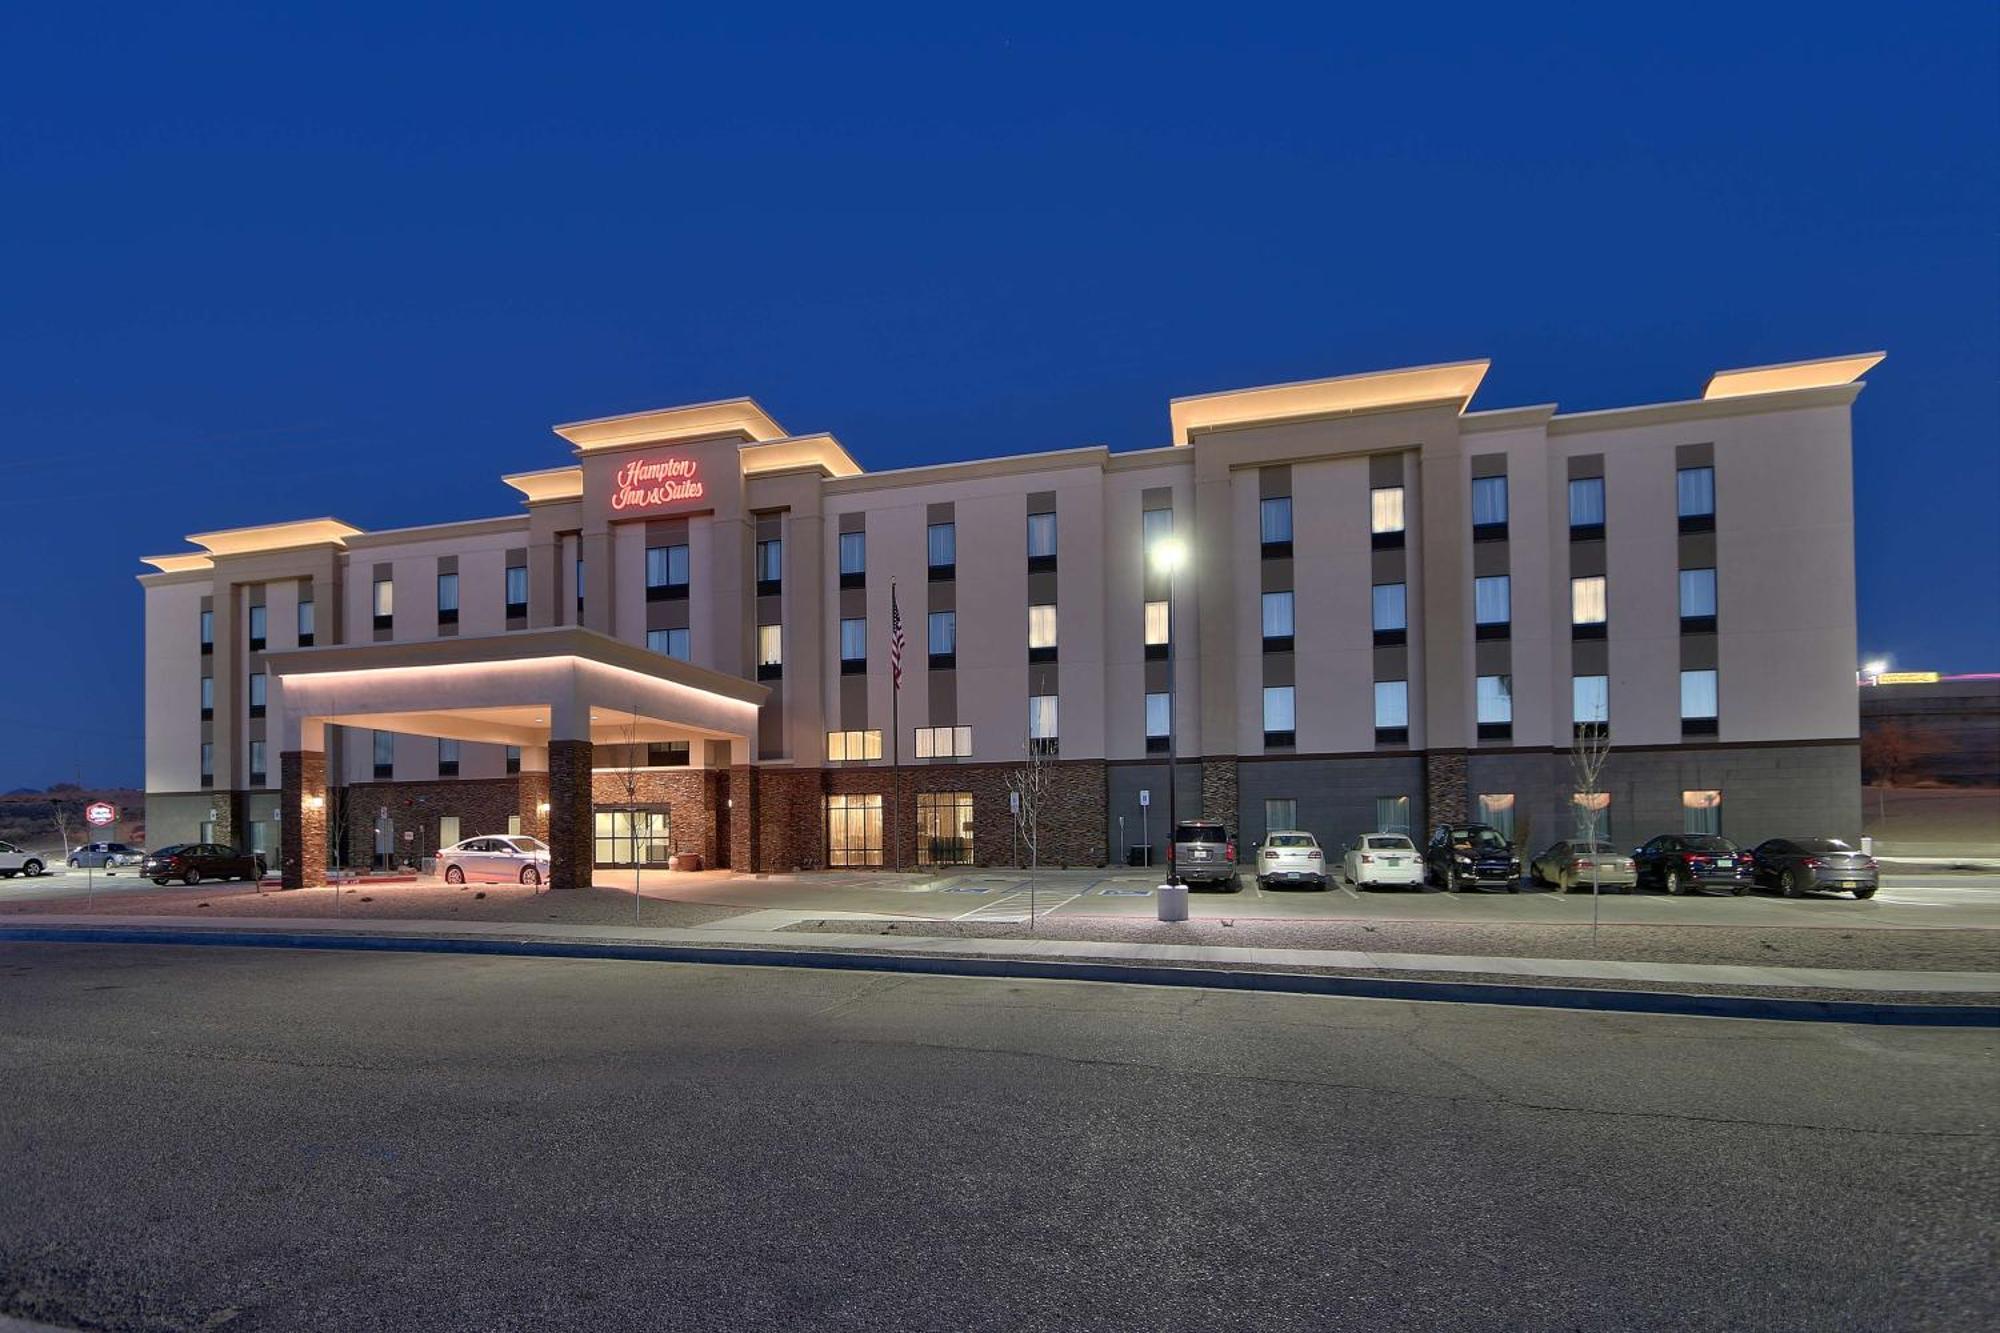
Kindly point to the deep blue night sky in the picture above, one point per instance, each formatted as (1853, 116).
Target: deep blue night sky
(264, 265)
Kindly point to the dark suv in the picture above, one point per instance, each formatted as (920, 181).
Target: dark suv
(1683, 862)
(1204, 853)
(1474, 854)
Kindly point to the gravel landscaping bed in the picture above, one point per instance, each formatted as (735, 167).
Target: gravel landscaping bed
(392, 902)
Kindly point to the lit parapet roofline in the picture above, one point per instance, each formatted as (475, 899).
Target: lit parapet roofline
(1826, 373)
(1454, 381)
(729, 416)
(556, 483)
(178, 564)
(821, 451)
(275, 536)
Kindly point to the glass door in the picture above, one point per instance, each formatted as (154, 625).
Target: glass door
(632, 837)
(944, 828)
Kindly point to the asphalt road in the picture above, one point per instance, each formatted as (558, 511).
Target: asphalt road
(255, 1140)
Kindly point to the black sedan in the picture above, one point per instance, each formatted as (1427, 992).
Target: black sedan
(1797, 866)
(1683, 862)
(193, 862)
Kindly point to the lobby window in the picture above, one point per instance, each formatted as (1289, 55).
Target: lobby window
(944, 742)
(944, 828)
(1281, 814)
(1391, 614)
(385, 754)
(770, 567)
(207, 633)
(513, 759)
(854, 646)
(1392, 712)
(1695, 488)
(1697, 601)
(1586, 509)
(208, 763)
(846, 747)
(1280, 720)
(1701, 812)
(447, 759)
(257, 696)
(853, 559)
(770, 652)
(1587, 607)
(1492, 606)
(1278, 622)
(1497, 809)
(1495, 697)
(1385, 517)
(1041, 634)
(941, 551)
(384, 603)
(1274, 526)
(941, 633)
(666, 573)
(1042, 722)
(259, 620)
(1698, 703)
(1157, 628)
(1155, 526)
(1592, 813)
(1392, 814)
(256, 763)
(207, 698)
(448, 599)
(1590, 704)
(1041, 543)
(1159, 722)
(306, 624)
(668, 754)
(672, 642)
(1489, 509)
(514, 587)
(854, 830)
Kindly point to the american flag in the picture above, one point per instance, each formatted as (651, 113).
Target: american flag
(895, 641)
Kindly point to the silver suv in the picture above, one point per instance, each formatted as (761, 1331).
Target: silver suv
(1204, 853)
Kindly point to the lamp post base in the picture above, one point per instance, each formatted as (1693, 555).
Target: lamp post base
(1172, 901)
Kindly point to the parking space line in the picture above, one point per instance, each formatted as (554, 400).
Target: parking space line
(1049, 911)
(985, 906)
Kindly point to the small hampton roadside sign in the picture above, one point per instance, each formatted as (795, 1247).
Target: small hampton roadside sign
(100, 813)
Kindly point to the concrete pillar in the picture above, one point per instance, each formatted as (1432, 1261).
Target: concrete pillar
(302, 850)
(534, 791)
(569, 818)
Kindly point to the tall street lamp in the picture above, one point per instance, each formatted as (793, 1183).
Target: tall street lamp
(1168, 555)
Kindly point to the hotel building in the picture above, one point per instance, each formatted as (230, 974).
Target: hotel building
(1394, 611)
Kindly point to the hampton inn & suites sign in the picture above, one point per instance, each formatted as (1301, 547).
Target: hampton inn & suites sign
(649, 483)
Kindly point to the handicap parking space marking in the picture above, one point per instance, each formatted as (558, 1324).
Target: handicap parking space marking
(965, 888)
(1109, 892)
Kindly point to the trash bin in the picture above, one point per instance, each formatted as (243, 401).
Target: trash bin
(1140, 855)
(1172, 900)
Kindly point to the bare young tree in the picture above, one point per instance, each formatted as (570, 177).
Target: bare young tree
(1588, 754)
(62, 813)
(1028, 791)
(628, 781)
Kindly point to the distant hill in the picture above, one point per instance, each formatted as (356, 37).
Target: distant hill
(28, 817)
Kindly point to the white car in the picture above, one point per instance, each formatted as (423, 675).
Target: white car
(14, 861)
(1376, 859)
(505, 859)
(1290, 857)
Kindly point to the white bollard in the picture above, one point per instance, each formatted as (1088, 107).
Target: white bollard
(1172, 900)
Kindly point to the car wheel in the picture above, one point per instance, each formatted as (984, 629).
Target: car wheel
(191, 878)
(1676, 886)
(530, 875)
(1790, 883)
(160, 883)
(1864, 893)
(1234, 884)
(31, 868)
(454, 875)
(1739, 891)
(1565, 882)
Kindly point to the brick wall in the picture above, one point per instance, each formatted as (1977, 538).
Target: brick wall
(1072, 820)
(481, 804)
(569, 839)
(302, 851)
(686, 792)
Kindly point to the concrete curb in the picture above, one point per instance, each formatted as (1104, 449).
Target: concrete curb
(1210, 978)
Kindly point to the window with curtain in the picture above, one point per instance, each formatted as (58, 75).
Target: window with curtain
(1701, 812)
(1041, 627)
(673, 642)
(258, 619)
(1390, 609)
(447, 758)
(1586, 600)
(666, 567)
(1496, 699)
(448, 593)
(1392, 814)
(1489, 501)
(385, 753)
(1386, 509)
(1042, 717)
(854, 830)
(1274, 519)
(208, 694)
(770, 645)
(207, 760)
(1497, 809)
(941, 544)
(1697, 593)
(854, 640)
(1590, 699)
(944, 742)
(208, 629)
(1156, 525)
(1281, 814)
(1492, 600)
(1159, 715)
(849, 746)
(1698, 695)
(305, 624)
(853, 552)
(1696, 490)
(1278, 714)
(943, 633)
(517, 584)
(1277, 615)
(385, 597)
(257, 699)
(257, 770)
(1592, 813)
(1041, 536)
(1156, 623)
(771, 561)
(1586, 502)
(1392, 703)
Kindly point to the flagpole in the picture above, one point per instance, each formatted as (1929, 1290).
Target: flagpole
(895, 735)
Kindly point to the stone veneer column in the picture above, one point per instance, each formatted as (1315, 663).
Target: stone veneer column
(1444, 790)
(1219, 792)
(302, 848)
(569, 818)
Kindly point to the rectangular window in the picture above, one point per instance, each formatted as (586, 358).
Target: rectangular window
(579, 586)
(1497, 809)
(207, 698)
(385, 754)
(513, 759)
(207, 762)
(256, 762)
(1697, 601)
(1390, 614)
(853, 559)
(853, 746)
(770, 567)
(448, 830)
(668, 754)
(673, 642)
(1392, 712)
(941, 633)
(1698, 703)
(1042, 719)
(257, 697)
(515, 587)
(1495, 697)
(448, 599)
(1392, 814)
(854, 830)
(1587, 607)
(384, 603)
(666, 573)
(1159, 720)
(770, 652)
(1041, 542)
(208, 631)
(257, 629)
(1586, 508)
(1492, 606)
(941, 550)
(1592, 813)
(1590, 703)
(1274, 525)
(1279, 720)
(1385, 517)
(944, 828)
(1489, 508)
(305, 624)
(1277, 622)
(854, 646)
(944, 742)
(1695, 489)
(1701, 812)
(1281, 814)
(447, 759)
(1157, 629)
(1155, 526)
(1041, 634)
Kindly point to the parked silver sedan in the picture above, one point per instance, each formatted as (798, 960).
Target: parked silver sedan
(1577, 865)
(509, 859)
